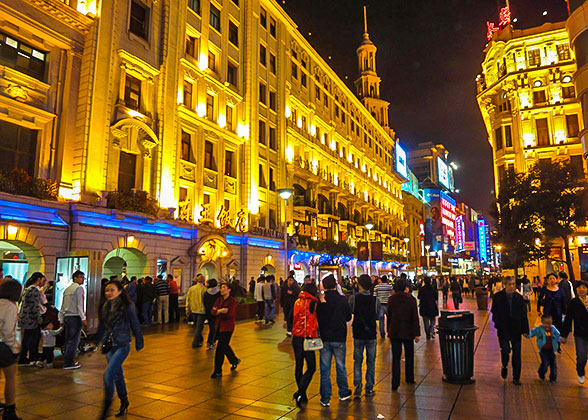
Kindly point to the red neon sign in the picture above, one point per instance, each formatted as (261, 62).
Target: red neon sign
(504, 19)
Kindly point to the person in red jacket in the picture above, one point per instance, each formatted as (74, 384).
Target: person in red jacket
(304, 326)
(225, 310)
(174, 309)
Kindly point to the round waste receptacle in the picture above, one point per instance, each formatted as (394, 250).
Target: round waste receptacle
(456, 338)
(482, 298)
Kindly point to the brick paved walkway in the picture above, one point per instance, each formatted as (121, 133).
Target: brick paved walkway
(168, 380)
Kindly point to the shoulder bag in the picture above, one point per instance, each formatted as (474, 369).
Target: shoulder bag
(310, 344)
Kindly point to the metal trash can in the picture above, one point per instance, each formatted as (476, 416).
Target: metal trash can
(456, 331)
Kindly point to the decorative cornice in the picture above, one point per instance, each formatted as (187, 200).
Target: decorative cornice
(64, 13)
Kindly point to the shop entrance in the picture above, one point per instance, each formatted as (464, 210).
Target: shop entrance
(209, 271)
(65, 267)
(19, 260)
(125, 262)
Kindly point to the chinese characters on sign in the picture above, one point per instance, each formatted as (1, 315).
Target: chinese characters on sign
(459, 234)
(448, 214)
(482, 241)
(504, 19)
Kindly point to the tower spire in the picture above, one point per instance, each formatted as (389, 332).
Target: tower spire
(365, 31)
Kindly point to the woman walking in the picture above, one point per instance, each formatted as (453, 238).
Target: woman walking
(552, 301)
(428, 308)
(29, 320)
(578, 314)
(304, 326)
(118, 318)
(210, 297)
(225, 309)
(456, 290)
(9, 294)
(527, 292)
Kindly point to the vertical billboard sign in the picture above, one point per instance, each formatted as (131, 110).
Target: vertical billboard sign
(443, 173)
(482, 241)
(401, 166)
(459, 234)
(448, 214)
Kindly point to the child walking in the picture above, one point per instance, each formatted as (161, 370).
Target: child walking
(48, 335)
(547, 342)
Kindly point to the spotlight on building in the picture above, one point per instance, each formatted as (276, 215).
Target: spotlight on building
(12, 230)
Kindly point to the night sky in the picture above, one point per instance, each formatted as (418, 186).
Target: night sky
(429, 52)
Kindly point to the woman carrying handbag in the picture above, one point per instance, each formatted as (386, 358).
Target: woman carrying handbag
(118, 317)
(305, 339)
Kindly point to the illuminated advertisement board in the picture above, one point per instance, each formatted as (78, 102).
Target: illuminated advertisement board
(443, 173)
(459, 234)
(482, 241)
(401, 166)
(448, 214)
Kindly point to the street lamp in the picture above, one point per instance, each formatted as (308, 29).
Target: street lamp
(369, 226)
(406, 240)
(285, 194)
(427, 247)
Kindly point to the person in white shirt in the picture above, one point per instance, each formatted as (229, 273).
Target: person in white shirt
(73, 316)
(10, 291)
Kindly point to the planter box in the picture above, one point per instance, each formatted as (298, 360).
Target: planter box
(482, 298)
(246, 311)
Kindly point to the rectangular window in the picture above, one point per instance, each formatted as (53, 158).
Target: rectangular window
(272, 183)
(236, 2)
(127, 166)
(542, 132)
(568, 92)
(539, 97)
(498, 138)
(22, 57)
(183, 195)
(191, 46)
(262, 93)
(229, 159)
(188, 94)
(272, 62)
(273, 141)
(210, 106)
(507, 136)
(501, 173)
(317, 93)
(303, 79)
(209, 162)
(294, 70)
(272, 100)
(212, 61)
(139, 20)
(194, 5)
(215, 18)
(132, 92)
(326, 100)
(262, 182)
(272, 27)
(262, 139)
(563, 52)
(337, 111)
(262, 55)
(233, 34)
(534, 57)
(272, 218)
(232, 74)
(18, 148)
(187, 154)
(577, 164)
(263, 17)
(229, 117)
(572, 125)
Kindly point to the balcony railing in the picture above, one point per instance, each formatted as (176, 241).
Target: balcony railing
(18, 181)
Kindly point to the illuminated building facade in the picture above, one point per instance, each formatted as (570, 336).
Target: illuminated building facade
(414, 213)
(528, 102)
(168, 128)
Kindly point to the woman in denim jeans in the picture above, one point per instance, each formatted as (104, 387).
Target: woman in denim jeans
(118, 317)
(578, 314)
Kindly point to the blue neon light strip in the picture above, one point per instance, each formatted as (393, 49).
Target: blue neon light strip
(233, 239)
(264, 243)
(447, 198)
(482, 241)
(21, 212)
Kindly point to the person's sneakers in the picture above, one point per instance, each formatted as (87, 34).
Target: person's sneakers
(580, 380)
(76, 365)
(357, 393)
(516, 382)
(345, 397)
(370, 393)
(216, 375)
(272, 321)
(234, 365)
(504, 373)
(325, 403)
(553, 380)
(541, 376)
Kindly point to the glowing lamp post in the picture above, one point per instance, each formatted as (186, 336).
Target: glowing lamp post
(369, 226)
(285, 194)
(427, 247)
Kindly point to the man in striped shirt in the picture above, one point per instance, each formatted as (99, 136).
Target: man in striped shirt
(382, 291)
(162, 302)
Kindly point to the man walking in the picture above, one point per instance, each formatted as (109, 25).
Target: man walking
(73, 317)
(162, 302)
(383, 290)
(174, 309)
(509, 314)
(131, 289)
(259, 298)
(289, 294)
(269, 300)
(195, 309)
(333, 313)
(365, 309)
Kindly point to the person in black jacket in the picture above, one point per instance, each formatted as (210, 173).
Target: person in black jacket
(365, 309)
(428, 308)
(509, 314)
(565, 284)
(210, 297)
(333, 313)
(288, 295)
(456, 291)
(578, 314)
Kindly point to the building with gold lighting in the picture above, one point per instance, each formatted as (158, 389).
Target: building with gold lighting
(528, 102)
(145, 137)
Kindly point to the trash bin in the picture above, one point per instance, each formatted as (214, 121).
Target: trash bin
(482, 298)
(456, 331)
